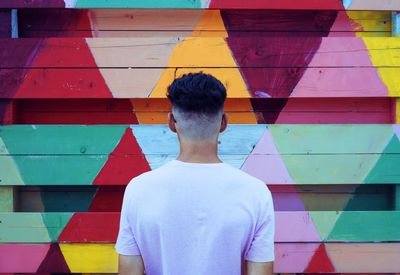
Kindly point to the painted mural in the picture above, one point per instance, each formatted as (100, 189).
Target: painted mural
(313, 105)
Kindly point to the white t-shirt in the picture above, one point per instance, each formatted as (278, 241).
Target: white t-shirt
(196, 218)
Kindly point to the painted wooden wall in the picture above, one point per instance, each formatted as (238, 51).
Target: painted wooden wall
(313, 101)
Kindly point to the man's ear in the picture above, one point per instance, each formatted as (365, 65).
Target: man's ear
(171, 122)
(224, 122)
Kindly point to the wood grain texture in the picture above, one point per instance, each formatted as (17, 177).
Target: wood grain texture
(8, 111)
(395, 23)
(22, 257)
(100, 227)
(103, 68)
(91, 227)
(154, 52)
(370, 254)
(373, 5)
(84, 85)
(396, 197)
(323, 154)
(380, 23)
(43, 227)
(214, 4)
(366, 197)
(7, 199)
(56, 198)
(240, 111)
(390, 79)
(287, 4)
(290, 257)
(196, 22)
(5, 23)
(303, 169)
(305, 62)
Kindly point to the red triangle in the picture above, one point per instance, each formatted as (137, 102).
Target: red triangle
(320, 262)
(108, 199)
(80, 21)
(54, 261)
(61, 82)
(124, 163)
(86, 227)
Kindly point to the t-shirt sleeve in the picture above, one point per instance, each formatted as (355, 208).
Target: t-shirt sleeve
(126, 243)
(262, 245)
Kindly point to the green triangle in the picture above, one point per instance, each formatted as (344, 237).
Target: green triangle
(368, 197)
(324, 222)
(385, 169)
(55, 223)
(70, 154)
(8, 168)
(330, 153)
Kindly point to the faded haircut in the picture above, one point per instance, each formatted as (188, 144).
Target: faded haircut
(197, 105)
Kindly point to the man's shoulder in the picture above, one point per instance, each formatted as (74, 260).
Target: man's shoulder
(139, 180)
(247, 178)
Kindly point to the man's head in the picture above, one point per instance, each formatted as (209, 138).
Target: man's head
(197, 107)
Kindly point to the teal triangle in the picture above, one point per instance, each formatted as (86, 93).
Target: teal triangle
(387, 166)
(55, 223)
(368, 197)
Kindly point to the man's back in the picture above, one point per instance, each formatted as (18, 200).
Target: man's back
(196, 218)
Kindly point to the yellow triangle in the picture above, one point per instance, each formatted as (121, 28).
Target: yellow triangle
(90, 257)
(383, 52)
(208, 55)
(374, 26)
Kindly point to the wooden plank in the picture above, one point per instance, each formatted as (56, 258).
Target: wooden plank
(196, 22)
(343, 257)
(8, 111)
(314, 169)
(130, 83)
(321, 155)
(7, 199)
(290, 257)
(82, 140)
(62, 198)
(396, 32)
(396, 197)
(364, 197)
(310, 139)
(240, 111)
(322, 169)
(60, 139)
(287, 4)
(214, 4)
(5, 23)
(372, 5)
(14, 24)
(305, 169)
(149, 52)
(259, 71)
(59, 169)
(395, 23)
(42, 227)
(367, 197)
(84, 227)
(22, 257)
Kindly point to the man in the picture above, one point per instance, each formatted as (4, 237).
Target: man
(196, 215)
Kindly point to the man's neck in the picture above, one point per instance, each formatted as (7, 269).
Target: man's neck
(205, 152)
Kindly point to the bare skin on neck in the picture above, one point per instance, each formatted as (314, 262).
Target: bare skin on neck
(198, 151)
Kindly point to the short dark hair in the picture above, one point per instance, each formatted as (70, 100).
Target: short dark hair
(197, 93)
